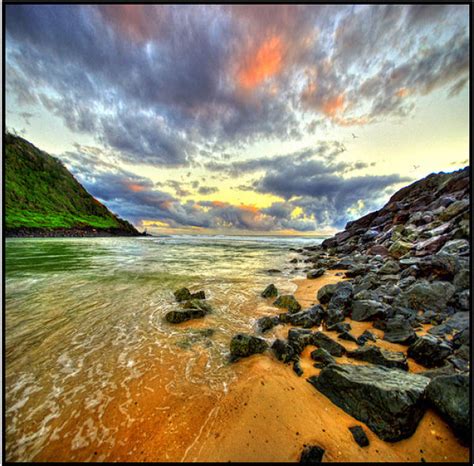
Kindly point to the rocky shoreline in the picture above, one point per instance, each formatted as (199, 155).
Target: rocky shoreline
(403, 269)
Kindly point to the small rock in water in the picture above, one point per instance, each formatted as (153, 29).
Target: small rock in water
(198, 295)
(267, 323)
(312, 454)
(182, 294)
(315, 273)
(270, 291)
(198, 304)
(176, 317)
(243, 345)
(359, 436)
(288, 302)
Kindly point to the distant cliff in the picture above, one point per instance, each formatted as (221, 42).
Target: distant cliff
(42, 198)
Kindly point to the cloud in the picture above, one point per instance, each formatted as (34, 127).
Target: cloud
(206, 190)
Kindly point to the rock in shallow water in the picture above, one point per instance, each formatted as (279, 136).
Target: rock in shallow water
(389, 401)
(315, 273)
(288, 302)
(243, 345)
(176, 317)
(270, 291)
(267, 323)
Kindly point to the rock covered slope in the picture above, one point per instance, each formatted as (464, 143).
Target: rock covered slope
(407, 267)
(43, 199)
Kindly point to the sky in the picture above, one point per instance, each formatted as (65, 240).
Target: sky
(242, 119)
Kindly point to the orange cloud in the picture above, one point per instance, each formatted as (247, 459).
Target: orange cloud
(266, 62)
(135, 187)
(334, 105)
(402, 92)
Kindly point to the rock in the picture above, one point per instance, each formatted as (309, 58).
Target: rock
(449, 395)
(456, 323)
(288, 302)
(273, 271)
(176, 317)
(447, 369)
(315, 273)
(439, 266)
(325, 293)
(454, 209)
(270, 291)
(425, 296)
(399, 331)
(378, 249)
(347, 336)
(456, 247)
(327, 343)
(339, 327)
(283, 351)
(312, 454)
(197, 304)
(380, 356)
(430, 245)
(462, 280)
(322, 357)
(334, 316)
(267, 323)
(308, 318)
(182, 294)
(370, 235)
(198, 295)
(365, 337)
(390, 267)
(342, 296)
(389, 401)
(359, 435)
(297, 368)
(429, 351)
(243, 345)
(399, 248)
(367, 309)
(299, 339)
(357, 271)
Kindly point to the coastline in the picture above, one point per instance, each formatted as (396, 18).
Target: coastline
(68, 233)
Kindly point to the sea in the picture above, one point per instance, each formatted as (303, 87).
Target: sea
(86, 338)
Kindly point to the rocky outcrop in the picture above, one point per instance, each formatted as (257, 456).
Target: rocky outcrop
(242, 346)
(270, 291)
(389, 401)
(380, 356)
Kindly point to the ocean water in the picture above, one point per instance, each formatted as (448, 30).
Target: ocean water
(85, 327)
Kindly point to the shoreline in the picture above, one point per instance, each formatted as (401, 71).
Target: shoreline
(67, 233)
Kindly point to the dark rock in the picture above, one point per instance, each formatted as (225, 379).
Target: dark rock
(197, 304)
(347, 336)
(308, 318)
(312, 454)
(176, 317)
(359, 435)
(390, 267)
(462, 280)
(389, 401)
(399, 331)
(270, 291)
(365, 337)
(461, 338)
(456, 323)
(447, 369)
(243, 345)
(357, 271)
(367, 309)
(449, 394)
(380, 356)
(323, 341)
(198, 295)
(424, 295)
(322, 357)
(182, 294)
(456, 247)
(288, 302)
(273, 271)
(325, 293)
(267, 323)
(315, 273)
(341, 299)
(284, 351)
(297, 368)
(334, 315)
(299, 339)
(429, 350)
(339, 327)
(439, 266)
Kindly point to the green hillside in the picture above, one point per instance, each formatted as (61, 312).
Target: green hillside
(42, 195)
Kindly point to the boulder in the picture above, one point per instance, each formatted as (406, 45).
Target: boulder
(197, 304)
(322, 357)
(399, 248)
(339, 327)
(300, 338)
(325, 293)
(380, 356)
(284, 351)
(347, 336)
(308, 318)
(389, 401)
(270, 291)
(182, 294)
(312, 454)
(449, 395)
(456, 247)
(365, 337)
(342, 296)
(390, 267)
(267, 323)
(297, 368)
(399, 331)
(315, 273)
(360, 436)
(456, 323)
(176, 317)
(426, 296)
(288, 302)
(367, 309)
(198, 295)
(429, 351)
(243, 345)
(323, 341)
(454, 209)
(378, 249)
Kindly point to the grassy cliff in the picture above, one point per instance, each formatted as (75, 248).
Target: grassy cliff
(42, 197)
